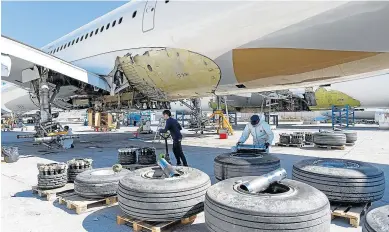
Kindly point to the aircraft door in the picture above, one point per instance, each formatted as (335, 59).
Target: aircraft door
(148, 16)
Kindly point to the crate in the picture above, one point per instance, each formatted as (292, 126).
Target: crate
(289, 145)
(52, 194)
(330, 147)
(139, 225)
(351, 212)
(82, 204)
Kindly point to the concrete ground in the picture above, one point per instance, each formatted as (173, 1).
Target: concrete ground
(23, 211)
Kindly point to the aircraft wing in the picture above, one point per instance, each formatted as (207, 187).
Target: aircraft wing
(24, 60)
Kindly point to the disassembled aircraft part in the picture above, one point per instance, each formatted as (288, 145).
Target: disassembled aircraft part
(263, 182)
(54, 138)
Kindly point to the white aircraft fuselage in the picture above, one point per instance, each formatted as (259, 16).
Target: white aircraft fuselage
(233, 46)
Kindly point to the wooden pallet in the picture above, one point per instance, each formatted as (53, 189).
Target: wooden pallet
(330, 147)
(52, 194)
(139, 225)
(133, 167)
(351, 212)
(82, 204)
(289, 145)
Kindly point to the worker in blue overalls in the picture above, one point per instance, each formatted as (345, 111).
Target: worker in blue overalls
(260, 130)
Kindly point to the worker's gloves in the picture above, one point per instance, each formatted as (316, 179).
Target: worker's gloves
(267, 145)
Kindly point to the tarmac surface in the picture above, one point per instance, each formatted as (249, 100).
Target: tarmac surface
(23, 211)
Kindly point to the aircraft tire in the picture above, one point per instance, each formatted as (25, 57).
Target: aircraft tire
(329, 138)
(342, 180)
(77, 166)
(233, 164)
(377, 220)
(127, 156)
(146, 194)
(52, 181)
(285, 207)
(351, 136)
(147, 156)
(98, 183)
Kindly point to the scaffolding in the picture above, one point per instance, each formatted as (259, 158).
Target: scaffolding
(342, 116)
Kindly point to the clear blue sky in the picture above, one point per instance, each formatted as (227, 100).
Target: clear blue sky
(39, 23)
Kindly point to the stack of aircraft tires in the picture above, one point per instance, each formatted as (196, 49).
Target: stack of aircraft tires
(77, 166)
(53, 175)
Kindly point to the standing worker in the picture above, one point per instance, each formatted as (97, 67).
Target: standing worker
(260, 130)
(174, 127)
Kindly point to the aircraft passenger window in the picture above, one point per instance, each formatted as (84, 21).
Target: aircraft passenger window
(97, 30)
(120, 20)
(91, 33)
(134, 14)
(107, 26)
(77, 40)
(69, 44)
(113, 24)
(73, 42)
(86, 36)
(61, 48)
(166, 1)
(82, 37)
(101, 29)
(64, 46)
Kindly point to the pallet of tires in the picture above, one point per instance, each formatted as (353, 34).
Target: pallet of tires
(147, 156)
(234, 164)
(127, 156)
(146, 194)
(53, 175)
(377, 220)
(100, 182)
(283, 207)
(77, 166)
(342, 180)
(329, 138)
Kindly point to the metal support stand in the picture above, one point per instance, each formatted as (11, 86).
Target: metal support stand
(342, 117)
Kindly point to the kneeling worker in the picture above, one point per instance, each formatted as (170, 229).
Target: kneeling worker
(174, 127)
(261, 132)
